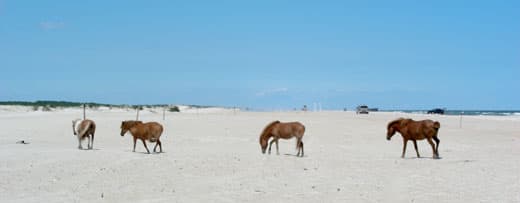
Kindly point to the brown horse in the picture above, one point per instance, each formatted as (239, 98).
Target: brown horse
(144, 131)
(84, 129)
(278, 130)
(415, 130)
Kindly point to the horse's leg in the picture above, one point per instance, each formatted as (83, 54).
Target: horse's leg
(135, 139)
(271, 144)
(405, 141)
(417, 151)
(79, 142)
(437, 141)
(298, 146)
(88, 141)
(301, 145)
(144, 143)
(277, 151)
(92, 144)
(160, 145)
(433, 148)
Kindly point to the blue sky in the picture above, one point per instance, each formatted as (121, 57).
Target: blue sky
(263, 54)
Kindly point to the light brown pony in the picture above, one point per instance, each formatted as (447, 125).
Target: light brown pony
(277, 130)
(144, 131)
(415, 130)
(84, 129)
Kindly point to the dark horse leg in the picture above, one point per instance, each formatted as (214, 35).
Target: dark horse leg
(144, 143)
(405, 141)
(277, 150)
(299, 145)
(157, 144)
(433, 148)
(88, 141)
(271, 144)
(135, 139)
(417, 151)
(437, 141)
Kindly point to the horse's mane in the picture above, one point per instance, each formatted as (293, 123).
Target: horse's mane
(268, 129)
(132, 122)
(394, 122)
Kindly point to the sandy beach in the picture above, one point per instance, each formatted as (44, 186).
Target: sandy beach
(214, 156)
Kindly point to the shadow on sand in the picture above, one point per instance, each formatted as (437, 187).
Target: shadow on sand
(422, 158)
(93, 149)
(294, 155)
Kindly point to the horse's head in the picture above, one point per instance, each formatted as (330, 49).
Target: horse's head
(126, 125)
(263, 144)
(395, 126)
(266, 134)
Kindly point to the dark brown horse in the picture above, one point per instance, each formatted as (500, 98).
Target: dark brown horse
(415, 130)
(144, 131)
(84, 129)
(277, 130)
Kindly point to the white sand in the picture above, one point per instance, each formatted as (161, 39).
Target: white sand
(214, 156)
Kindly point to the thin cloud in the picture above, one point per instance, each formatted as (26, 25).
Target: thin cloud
(272, 91)
(51, 25)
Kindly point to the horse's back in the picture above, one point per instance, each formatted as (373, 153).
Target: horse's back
(289, 129)
(428, 128)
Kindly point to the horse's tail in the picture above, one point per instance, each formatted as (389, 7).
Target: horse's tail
(436, 125)
(87, 128)
(268, 129)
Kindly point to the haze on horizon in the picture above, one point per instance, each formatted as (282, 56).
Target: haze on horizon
(268, 54)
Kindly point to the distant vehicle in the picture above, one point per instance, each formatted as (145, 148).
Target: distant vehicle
(362, 109)
(436, 111)
(373, 109)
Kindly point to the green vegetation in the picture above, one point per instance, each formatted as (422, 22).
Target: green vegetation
(51, 104)
(174, 109)
(47, 105)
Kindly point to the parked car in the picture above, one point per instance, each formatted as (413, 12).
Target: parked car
(436, 111)
(362, 109)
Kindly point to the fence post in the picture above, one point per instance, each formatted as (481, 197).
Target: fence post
(460, 121)
(137, 117)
